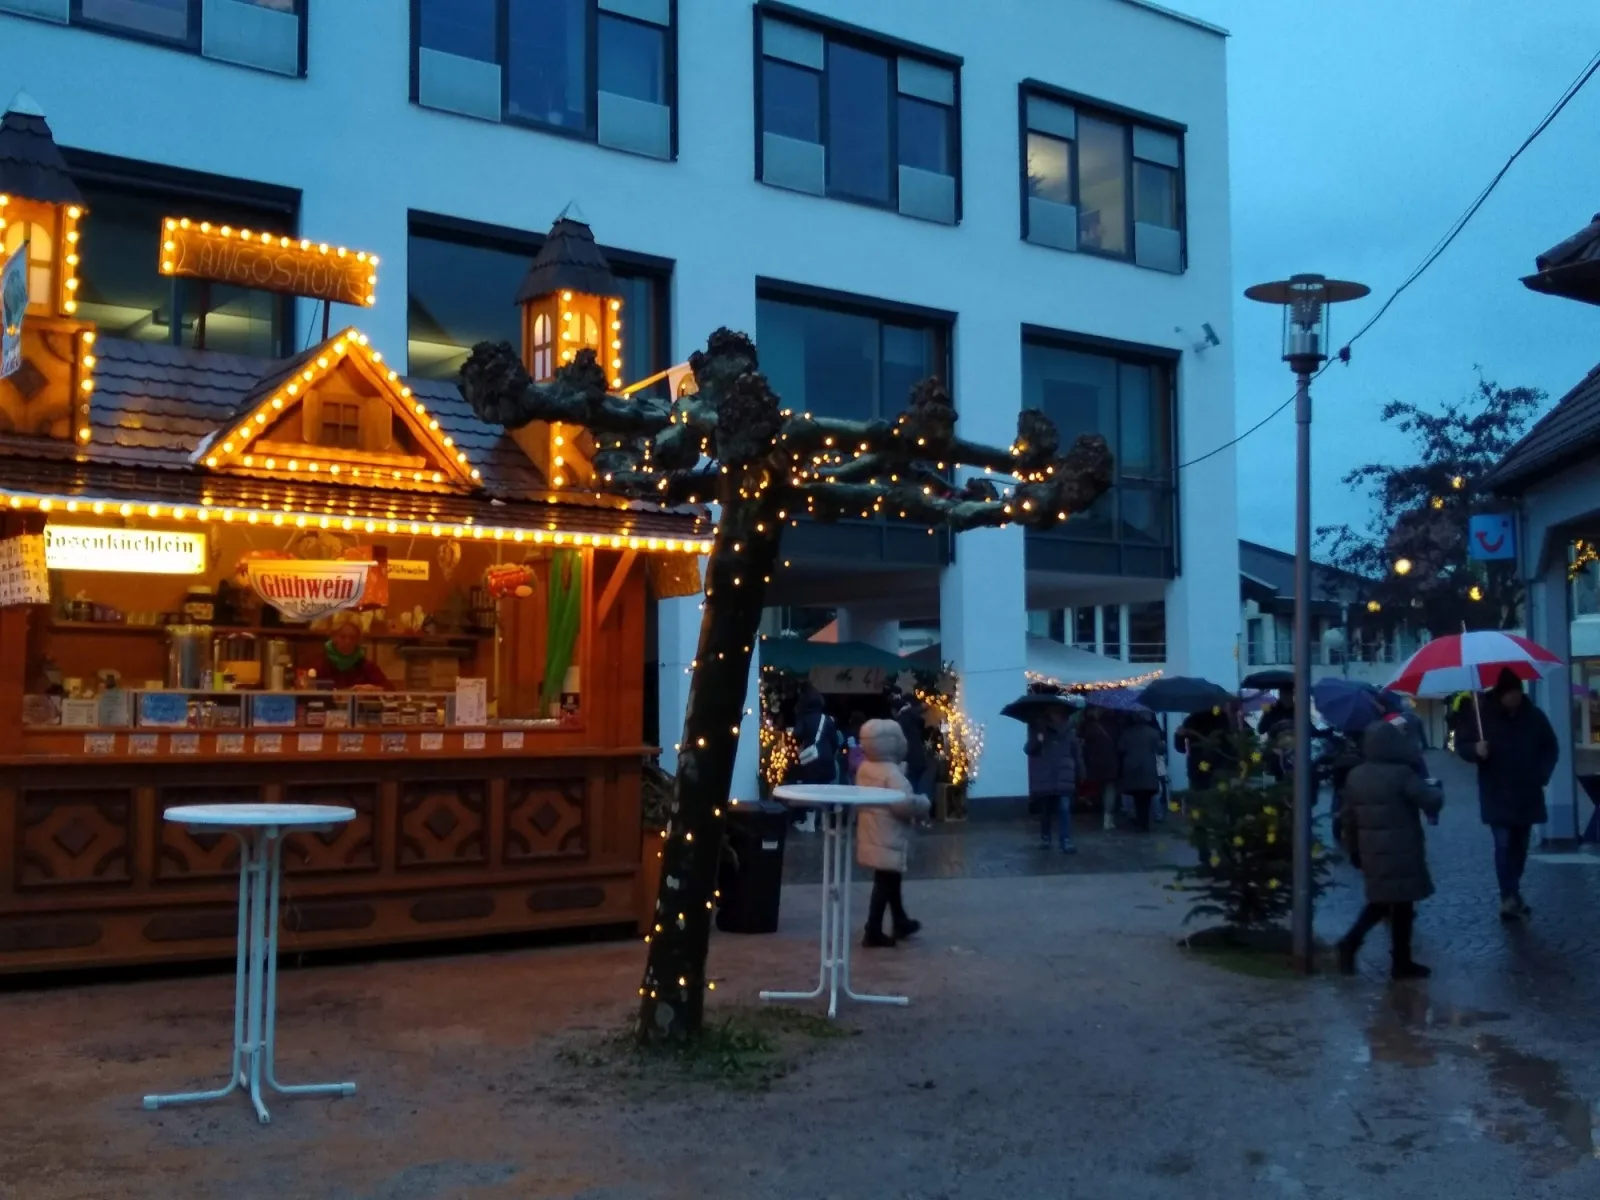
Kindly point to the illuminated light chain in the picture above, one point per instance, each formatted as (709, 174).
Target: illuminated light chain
(1583, 553)
(348, 341)
(209, 510)
(963, 738)
(280, 241)
(69, 277)
(1103, 685)
(86, 360)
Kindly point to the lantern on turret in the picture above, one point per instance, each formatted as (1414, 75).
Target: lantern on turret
(570, 302)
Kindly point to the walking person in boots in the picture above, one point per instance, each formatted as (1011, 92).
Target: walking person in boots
(1516, 753)
(883, 833)
(1384, 802)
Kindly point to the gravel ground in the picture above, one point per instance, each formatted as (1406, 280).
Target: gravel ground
(1058, 1043)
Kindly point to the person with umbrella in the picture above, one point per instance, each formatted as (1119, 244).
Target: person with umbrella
(1516, 754)
(1139, 749)
(1055, 767)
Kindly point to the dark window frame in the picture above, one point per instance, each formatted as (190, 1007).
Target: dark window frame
(589, 134)
(180, 183)
(1127, 118)
(191, 42)
(941, 322)
(658, 271)
(861, 38)
(1132, 354)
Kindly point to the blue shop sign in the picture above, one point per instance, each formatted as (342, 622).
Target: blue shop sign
(1492, 537)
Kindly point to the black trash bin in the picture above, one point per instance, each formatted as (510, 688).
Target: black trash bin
(751, 876)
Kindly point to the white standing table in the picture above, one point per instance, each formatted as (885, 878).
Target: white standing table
(260, 829)
(838, 804)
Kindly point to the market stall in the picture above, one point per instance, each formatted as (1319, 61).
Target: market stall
(233, 580)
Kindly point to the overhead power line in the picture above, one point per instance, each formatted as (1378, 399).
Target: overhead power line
(1443, 244)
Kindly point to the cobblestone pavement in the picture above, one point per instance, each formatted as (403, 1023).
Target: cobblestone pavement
(1058, 1043)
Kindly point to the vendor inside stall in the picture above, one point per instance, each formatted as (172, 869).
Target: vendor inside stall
(345, 662)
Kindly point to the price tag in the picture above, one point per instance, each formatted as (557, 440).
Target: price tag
(511, 741)
(394, 743)
(230, 743)
(433, 741)
(185, 743)
(269, 743)
(99, 743)
(144, 743)
(352, 743)
(474, 741)
(309, 743)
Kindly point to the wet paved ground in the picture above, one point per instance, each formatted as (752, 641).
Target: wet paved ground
(1058, 1043)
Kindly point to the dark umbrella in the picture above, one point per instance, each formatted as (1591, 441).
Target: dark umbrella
(1117, 699)
(1028, 708)
(1273, 679)
(1349, 705)
(1183, 694)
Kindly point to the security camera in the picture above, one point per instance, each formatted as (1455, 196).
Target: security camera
(1208, 338)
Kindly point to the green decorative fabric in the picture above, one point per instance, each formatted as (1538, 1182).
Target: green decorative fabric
(564, 612)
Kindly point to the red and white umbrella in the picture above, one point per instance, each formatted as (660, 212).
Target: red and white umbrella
(1471, 662)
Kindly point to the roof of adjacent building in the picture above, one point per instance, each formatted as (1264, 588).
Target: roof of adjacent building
(1266, 575)
(1571, 268)
(154, 404)
(1567, 433)
(30, 164)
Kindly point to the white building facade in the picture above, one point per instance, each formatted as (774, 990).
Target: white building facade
(1028, 200)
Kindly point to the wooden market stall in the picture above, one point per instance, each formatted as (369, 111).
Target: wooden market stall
(178, 528)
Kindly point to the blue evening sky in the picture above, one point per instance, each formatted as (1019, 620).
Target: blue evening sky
(1360, 129)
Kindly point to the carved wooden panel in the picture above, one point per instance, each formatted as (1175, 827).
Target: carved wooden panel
(348, 847)
(73, 837)
(442, 822)
(546, 819)
(199, 853)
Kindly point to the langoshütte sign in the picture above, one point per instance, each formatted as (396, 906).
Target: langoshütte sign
(305, 589)
(273, 262)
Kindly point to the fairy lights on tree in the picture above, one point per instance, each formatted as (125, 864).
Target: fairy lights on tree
(733, 443)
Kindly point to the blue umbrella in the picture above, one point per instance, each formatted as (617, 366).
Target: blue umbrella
(1117, 699)
(1350, 706)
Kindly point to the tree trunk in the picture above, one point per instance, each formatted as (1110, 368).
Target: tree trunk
(742, 560)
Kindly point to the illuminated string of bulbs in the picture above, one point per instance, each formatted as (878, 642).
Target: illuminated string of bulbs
(281, 241)
(242, 514)
(1103, 685)
(235, 440)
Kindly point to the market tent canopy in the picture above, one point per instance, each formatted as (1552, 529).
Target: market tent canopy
(799, 656)
(1067, 665)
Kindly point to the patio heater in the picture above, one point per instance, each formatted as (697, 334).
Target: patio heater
(1304, 300)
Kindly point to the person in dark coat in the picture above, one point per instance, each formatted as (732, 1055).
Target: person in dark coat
(1100, 764)
(1516, 753)
(814, 727)
(919, 766)
(1384, 802)
(1055, 765)
(1139, 749)
(1202, 738)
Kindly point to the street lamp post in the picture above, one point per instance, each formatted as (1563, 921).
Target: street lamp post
(1304, 300)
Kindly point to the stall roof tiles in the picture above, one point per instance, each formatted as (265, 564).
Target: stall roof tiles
(154, 404)
(31, 165)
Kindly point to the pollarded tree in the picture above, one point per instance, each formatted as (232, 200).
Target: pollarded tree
(733, 443)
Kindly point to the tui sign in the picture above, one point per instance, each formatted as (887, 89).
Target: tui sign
(1492, 537)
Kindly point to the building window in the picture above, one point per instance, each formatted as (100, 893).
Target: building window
(1147, 631)
(462, 278)
(847, 358)
(1084, 634)
(121, 287)
(603, 70)
(341, 424)
(1111, 630)
(1128, 397)
(849, 114)
(266, 34)
(1101, 181)
(41, 260)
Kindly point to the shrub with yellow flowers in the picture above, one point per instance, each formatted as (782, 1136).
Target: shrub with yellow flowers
(1242, 831)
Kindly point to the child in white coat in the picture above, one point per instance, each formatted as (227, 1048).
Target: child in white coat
(883, 834)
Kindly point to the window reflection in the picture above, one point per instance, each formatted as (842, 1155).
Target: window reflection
(1102, 186)
(121, 287)
(1156, 195)
(460, 290)
(633, 59)
(1049, 168)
